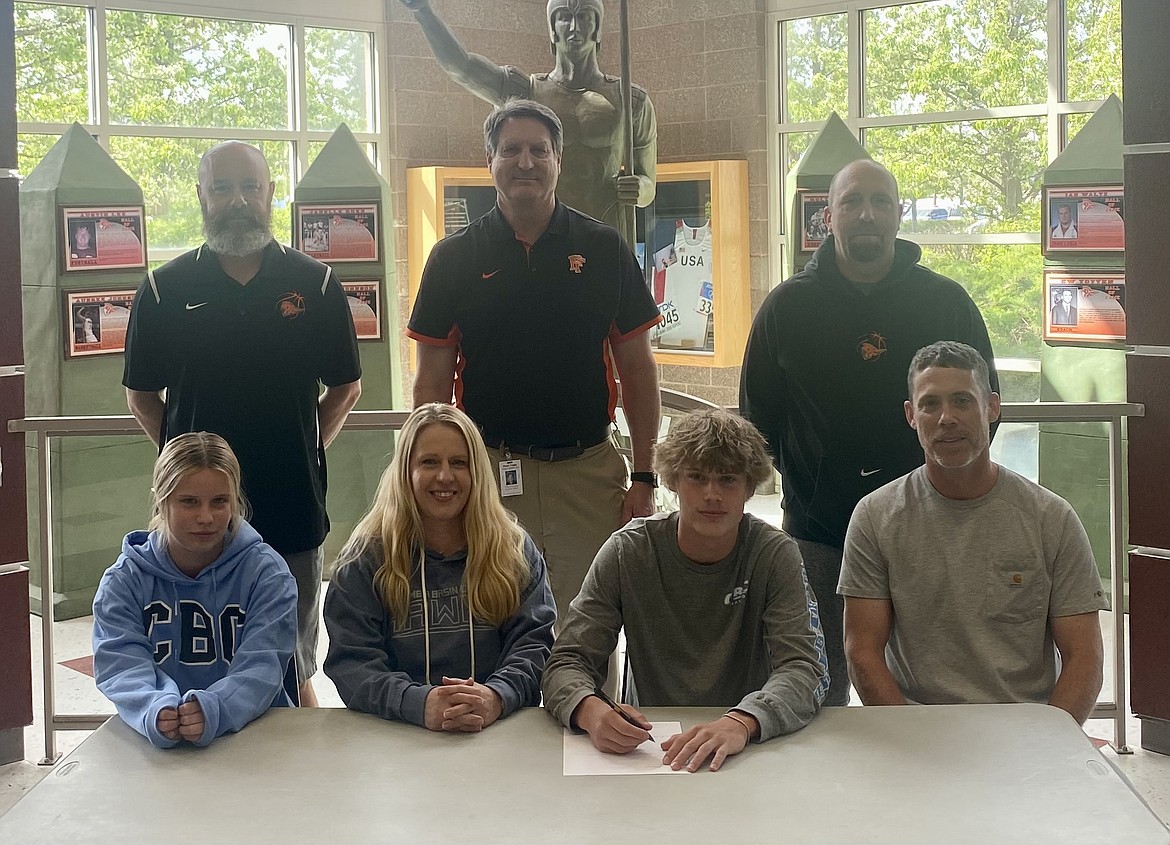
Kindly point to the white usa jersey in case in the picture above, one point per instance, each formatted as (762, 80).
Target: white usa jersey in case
(689, 288)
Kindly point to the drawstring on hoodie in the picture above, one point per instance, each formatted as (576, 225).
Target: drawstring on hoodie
(422, 568)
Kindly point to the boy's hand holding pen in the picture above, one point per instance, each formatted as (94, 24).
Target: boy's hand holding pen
(597, 691)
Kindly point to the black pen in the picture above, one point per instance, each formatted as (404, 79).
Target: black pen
(597, 691)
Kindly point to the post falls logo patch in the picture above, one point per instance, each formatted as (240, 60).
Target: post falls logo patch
(291, 305)
(871, 346)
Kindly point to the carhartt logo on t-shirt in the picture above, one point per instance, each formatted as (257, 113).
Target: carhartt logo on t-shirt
(737, 595)
(1017, 579)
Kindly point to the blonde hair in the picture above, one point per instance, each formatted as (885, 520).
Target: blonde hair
(713, 441)
(496, 569)
(184, 455)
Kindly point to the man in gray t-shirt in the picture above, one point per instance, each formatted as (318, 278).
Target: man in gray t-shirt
(961, 577)
(715, 605)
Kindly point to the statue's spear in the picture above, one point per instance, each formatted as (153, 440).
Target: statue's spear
(627, 224)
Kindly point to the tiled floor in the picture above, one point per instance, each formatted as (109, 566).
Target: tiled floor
(76, 694)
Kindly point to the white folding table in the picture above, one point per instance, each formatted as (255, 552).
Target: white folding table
(987, 774)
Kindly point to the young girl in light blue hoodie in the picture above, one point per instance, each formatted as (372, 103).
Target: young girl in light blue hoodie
(195, 624)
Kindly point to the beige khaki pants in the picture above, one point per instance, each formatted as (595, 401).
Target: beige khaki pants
(570, 508)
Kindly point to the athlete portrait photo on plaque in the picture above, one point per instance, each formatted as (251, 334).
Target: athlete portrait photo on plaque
(95, 321)
(1086, 306)
(338, 233)
(1084, 219)
(102, 238)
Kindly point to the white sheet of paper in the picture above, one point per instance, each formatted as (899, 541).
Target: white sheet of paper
(581, 758)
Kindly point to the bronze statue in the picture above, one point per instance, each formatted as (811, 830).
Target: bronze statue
(587, 101)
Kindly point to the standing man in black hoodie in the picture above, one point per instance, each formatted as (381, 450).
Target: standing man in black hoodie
(824, 375)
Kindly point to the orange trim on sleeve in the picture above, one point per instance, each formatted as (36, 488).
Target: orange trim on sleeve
(610, 381)
(617, 337)
(453, 337)
(460, 363)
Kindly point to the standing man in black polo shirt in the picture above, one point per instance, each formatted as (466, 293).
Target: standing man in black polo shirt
(517, 317)
(823, 376)
(240, 333)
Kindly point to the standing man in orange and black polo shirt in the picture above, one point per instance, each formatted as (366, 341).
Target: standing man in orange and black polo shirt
(516, 318)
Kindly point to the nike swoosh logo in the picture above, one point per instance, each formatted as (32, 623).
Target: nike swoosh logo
(865, 473)
(489, 275)
(191, 307)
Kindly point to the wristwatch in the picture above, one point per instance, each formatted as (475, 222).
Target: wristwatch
(645, 478)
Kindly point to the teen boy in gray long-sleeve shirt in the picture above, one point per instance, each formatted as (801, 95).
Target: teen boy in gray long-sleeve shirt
(714, 602)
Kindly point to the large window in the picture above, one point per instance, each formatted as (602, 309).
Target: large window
(157, 90)
(52, 78)
(339, 76)
(1093, 49)
(816, 71)
(966, 101)
(967, 54)
(166, 70)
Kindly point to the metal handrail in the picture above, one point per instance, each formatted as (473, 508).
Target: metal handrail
(1069, 411)
(46, 428)
(1113, 413)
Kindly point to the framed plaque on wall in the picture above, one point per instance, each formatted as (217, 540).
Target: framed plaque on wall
(1084, 219)
(338, 233)
(95, 321)
(1084, 305)
(102, 238)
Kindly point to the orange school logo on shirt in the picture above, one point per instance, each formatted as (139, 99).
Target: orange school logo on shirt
(291, 305)
(576, 262)
(871, 346)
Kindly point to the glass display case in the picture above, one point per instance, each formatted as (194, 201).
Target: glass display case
(693, 244)
(440, 200)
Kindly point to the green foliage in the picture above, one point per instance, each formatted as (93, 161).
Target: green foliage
(168, 170)
(1074, 123)
(990, 169)
(51, 64)
(1005, 281)
(817, 68)
(338, 86)
(969, 54)
(797, 143)
(1093, 48)
(30, 149)
(166, 70)
(955, 54)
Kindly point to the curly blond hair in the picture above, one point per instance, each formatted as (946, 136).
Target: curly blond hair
(712, 441)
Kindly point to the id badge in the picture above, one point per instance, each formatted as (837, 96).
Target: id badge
(511, 479)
